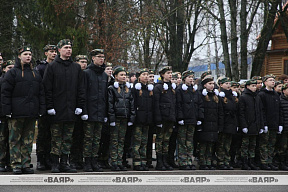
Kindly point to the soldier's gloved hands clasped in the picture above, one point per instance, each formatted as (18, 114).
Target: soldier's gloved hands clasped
(130, 124)
(245, 130)
(199, 122)
(112, 124)
(51, 112)
(280, 129)
(78, 111)
(181, 122)
(84, 117)
(261, 131)
(265, 129)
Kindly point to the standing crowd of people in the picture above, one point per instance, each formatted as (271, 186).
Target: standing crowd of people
(95, 116)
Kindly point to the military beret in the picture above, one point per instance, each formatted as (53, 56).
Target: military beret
(143, 71)
(285, 86)
(165, 69)
(205, 74)
(23, 49)
(224, 80)
(250, 82)
(9, 62)
(257, 78)
(174, 75)
(235, 84)
(151, 71)
(118, 70)
(50, 47)
(96, 52)
(187, 73)
(206, 81)
(109, 64)
(64, 42)
(267, 77)
(78, 57)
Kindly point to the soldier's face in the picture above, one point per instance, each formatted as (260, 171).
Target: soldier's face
(6, 69)
(151, 78)
(189, 80)
(65, 51)
(259, 84)
(25, 57)
(285, 92)
(285, 81)
(83, 63)
(51, 54)
(278, 88)
(167, 76)
(98, 59)
(270, 82)
(179, 79)
(144, 77)
(252, 87)
(209, 86)
(108, 71)
(226, 85)
(121, 77)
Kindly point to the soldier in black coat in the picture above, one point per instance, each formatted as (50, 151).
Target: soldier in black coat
(250, 123)
(65, 98)
(212, 123)
(164, 115)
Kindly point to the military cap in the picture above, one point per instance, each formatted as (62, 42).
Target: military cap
(285, 86)
(174, 75)
(78, 57)
(267, 77)
(9, 62)
(143, 71)
(96, 52)
(203, 82)
(50, 47)
(205, 74)
(187, 73)
(24, 48)
(165, 69)
(235, 84)
(250, 82)
(108, 64)
(257, 78)
(64, 42)
(118, 70)
(224, 80)
(151, 71)
(242, 85)
(278, 83)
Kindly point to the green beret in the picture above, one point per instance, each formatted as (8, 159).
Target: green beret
(151, 71)
(96, 52)
(205, 74)
(143, 71)
(257, 78)
(267, 77)
(64, 42)
(78, 57)
(285, 86)
(235, 84)
(250, 82)
(50, 47)
(174, 75)
(24, 48)
(109, 64)
(165, 69)
(118, 70)
(9, 62)
(187, 73)
(224, 80)
(278, 83)
(206, 81)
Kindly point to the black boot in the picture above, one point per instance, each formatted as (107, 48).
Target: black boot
(283, 165)
(64, 167)
(87, 165)
(95, 165)
(41, 162)
(48, 163)
(149, 164)
(165, 162)
(55, 164)
(159, 165)
(264, 167)
(252, 165)
(3, 169)
(245, 165)
(27, 170)
(171, 162)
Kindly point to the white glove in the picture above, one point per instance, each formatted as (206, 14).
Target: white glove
(237, 129)
(204, 92)
(245, 130)
(130, 124)
(84, 117)
(261, 131)
(51, 112)
(265, 129)
(9, 116)
(199, 122)
(113, 124)
(160, 125)
(181, 122)
(105, 119)
(280, 129)
(78, 111)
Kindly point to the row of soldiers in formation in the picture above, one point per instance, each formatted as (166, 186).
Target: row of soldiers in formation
(92, 113)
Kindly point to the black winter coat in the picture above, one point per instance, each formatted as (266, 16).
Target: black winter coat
(64, 89)
(143, 105)
(250, 112)
(164, 103)
(230, 110)
(271, 108)
(41, 67)
(189, 105)
(22, 96)
(284, 113)
(213, 119)
(1, 82)
(96, 85)
(120, 105)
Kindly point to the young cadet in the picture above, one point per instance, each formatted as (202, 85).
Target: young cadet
(143, 103)
(278, 87)
(4, 131)
(259, 82)
(164, 115)
(65, 98)
(207, 131)
(230, 108)
(121, 114)
(190, 112)
(23, 100)
(250, 121)
(271, 107)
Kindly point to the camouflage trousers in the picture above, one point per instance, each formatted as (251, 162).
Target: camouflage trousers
(76, 151)
(282, 145)
(162, 137)
(43, 141)
(21, 135)
(139, 144)
(223, 148)
(248, 146)
(92, 135)
(186, 144)
(266, 145)
(117, 137)
(205, 153)
(61, 137)
(4, 143)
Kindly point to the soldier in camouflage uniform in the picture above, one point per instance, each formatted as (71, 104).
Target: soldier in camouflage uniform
(22, 101)
(4, 132)
(120, 111)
